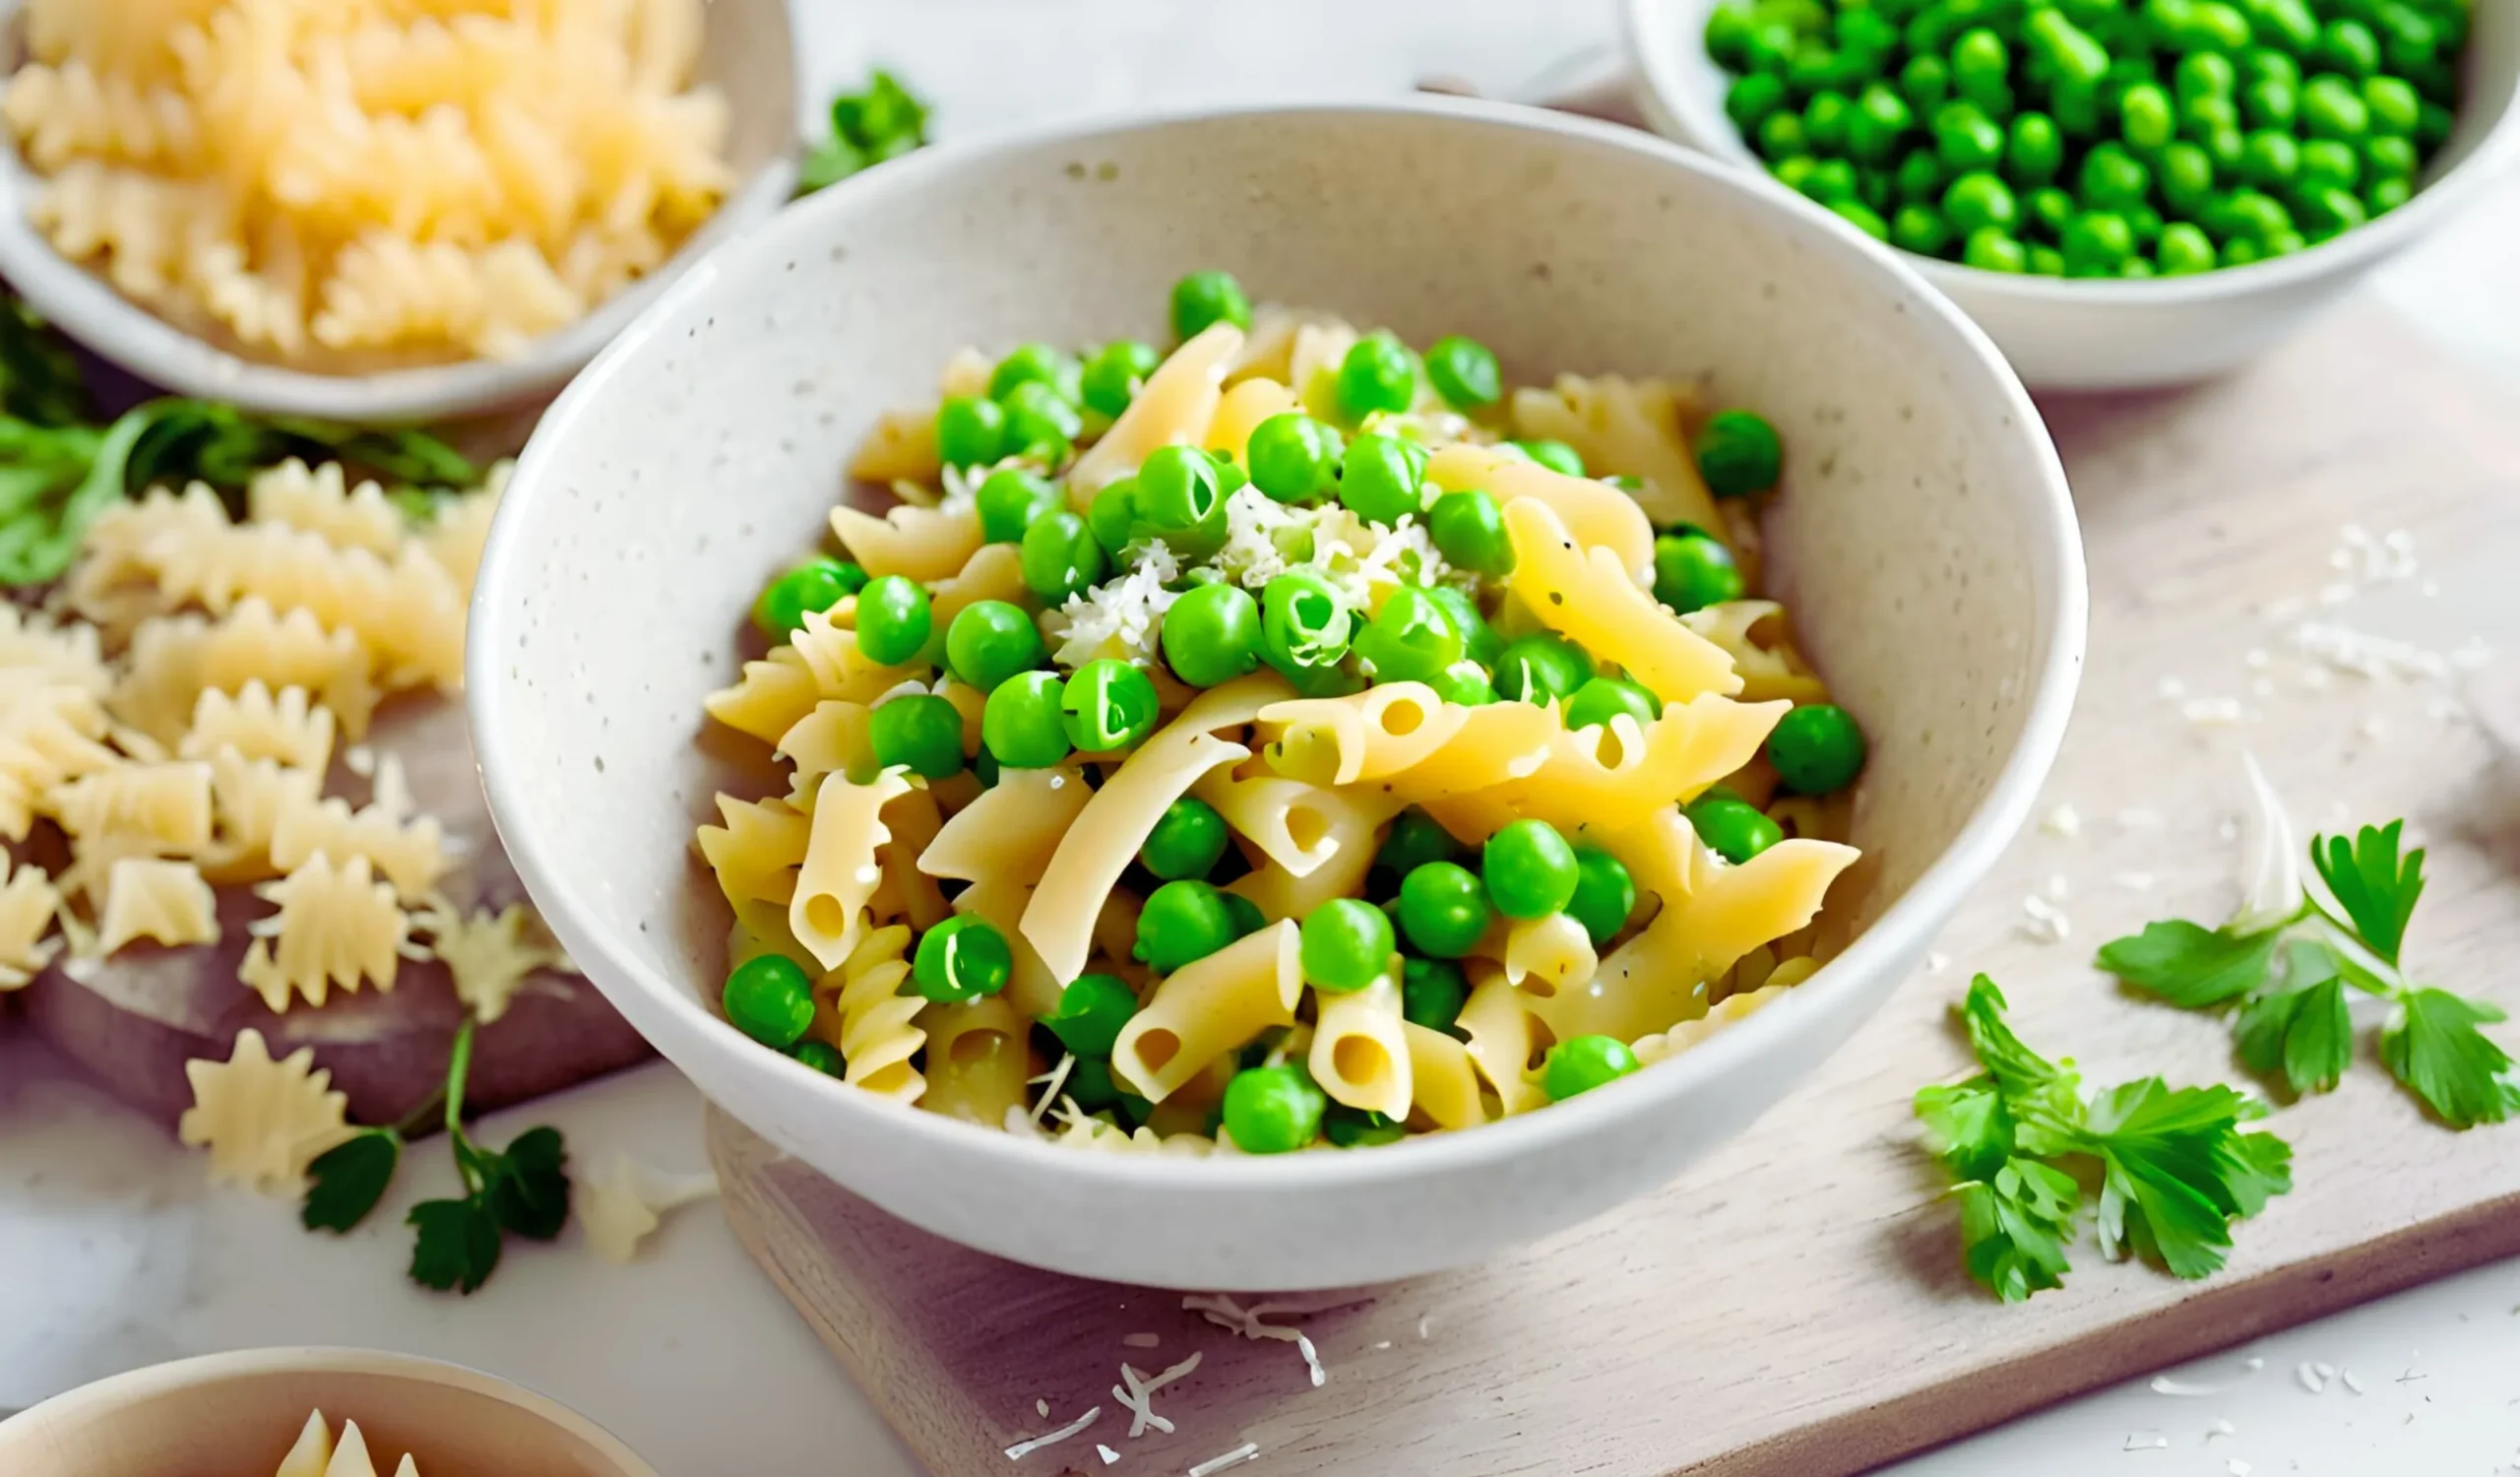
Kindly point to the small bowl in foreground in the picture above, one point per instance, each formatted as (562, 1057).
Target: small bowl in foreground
(238, 1413)
(747, 51)
(2077, 333)
(1924, 539)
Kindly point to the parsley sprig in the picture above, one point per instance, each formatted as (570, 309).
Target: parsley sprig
(522, 1189)
(882, 123)
(2025, 1145)
(2285, 985)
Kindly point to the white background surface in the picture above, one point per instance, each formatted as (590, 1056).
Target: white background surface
(112, 1253)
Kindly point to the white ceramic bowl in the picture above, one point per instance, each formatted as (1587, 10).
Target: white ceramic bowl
(2083, 335)
(747, 52)
(1925, 538)
(238, 1413)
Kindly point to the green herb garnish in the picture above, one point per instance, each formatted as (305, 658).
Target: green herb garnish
(882, 123)
(2285, 979)
(2174, 1168)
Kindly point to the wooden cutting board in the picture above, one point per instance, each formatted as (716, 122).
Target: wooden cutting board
(1794, 1304)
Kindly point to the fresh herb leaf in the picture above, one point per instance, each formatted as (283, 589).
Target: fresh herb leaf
(458, 1247)
(39, 379)
(348, 1179)
(883, 121)
(2176, 1176)
(528, 1188)
(1968, 1126)
(2189, 965)
(2017, 1069)
(2299, 1032)
(2014, 1226)
(2431, 1044)
(2376, 890)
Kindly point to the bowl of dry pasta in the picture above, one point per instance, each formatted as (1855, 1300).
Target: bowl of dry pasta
(1419, 666)
(378, 212)
(307, 1413)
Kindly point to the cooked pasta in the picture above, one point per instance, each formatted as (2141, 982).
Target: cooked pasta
(1370, 774)
(348, 186)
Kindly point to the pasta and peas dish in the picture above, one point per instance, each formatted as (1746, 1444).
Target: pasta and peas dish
(1293, 740)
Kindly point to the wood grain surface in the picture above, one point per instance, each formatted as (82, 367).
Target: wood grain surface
(1795, 1303)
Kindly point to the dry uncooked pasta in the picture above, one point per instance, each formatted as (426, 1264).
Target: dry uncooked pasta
(1372, 773)
(317, 1455)
(344, 184)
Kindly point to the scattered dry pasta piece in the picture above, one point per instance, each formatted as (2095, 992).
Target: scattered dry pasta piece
(28, 900)
(335, 925)
(487, 955)
(262, 1120)
(623, 1202)
(166, 902)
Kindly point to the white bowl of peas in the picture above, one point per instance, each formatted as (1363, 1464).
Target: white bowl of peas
(1303, 756)
(2123, 193)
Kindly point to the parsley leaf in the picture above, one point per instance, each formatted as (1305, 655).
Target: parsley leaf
(2014, 1226)
(348, 1179)
(2017, 1069)
(2376, 889)
(1970, 1127)
(458, 1247)
(882, 123)
(2189, 965)
(2176, 1176)
(2431, 1044)
(527, 1188)
(2299, 1032)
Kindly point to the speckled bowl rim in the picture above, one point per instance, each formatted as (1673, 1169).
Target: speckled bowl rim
(136, 1387)
(84, 306)
(1669, 100)
(1901, 932)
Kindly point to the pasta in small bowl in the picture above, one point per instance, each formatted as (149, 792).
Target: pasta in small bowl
(1339, 788)
(378, 213)
(307, 1413)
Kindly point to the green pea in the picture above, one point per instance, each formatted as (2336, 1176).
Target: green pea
(1107, 705)
(1992, 250)
(1965, 139)
(1114, 515)
(991, 641)
(985, 766)
(894, 619)
(1752, 98)
(1091, 1083)
(1605, 895)
(2288, 25)
(1694, 571)
(1580, 1064)
(1728, 37)
(2271, 159)
(1880, 117)
(970, 431)
(1443, 908)
(1182, 923)
(1040, 424)
(2328, 165)
(1411, 639)
(1817, 749)
(1739, 453)
(821, 1056)
(1383, 478)
(961, 960)
(1733, 829)
(1212, 634)
(1529, 869)
(2331, 108)
(1925, 82)
(1203, 299)
(1010, 499)
(1862, 217)
(2205, 74)
(1431, 993)
(2076, 107)
(2184, 250)
(1035, 363)
(2187, 177)
(1556, 456)
(2431, 125)
(1468, 530)
(1599, 700)
(2392, 107)
(2286, 242)
(1020, 723)
(2407, 40)
(2207, 113)
(1247, 917)
(1414, 839)
(2270, 103)
(1781, 134)
(1921, 177)
(2387, 195)
(770, 999)
(2113, 179)
(2349, 47)
(2259, 215)
(2043, 260)
(1824, 121)
(1273, 1110)
(2034, 150)
(2096, 242)
(1090, 1012)
(2219, 28)
(2266, 64)
(2388, 157)
(1920, 228)
(2068, 51)
(1360, 1127)
(2330, 209)
(1980, 199)
(1793, 173)
(1377, 375)
(1478, 639)
(1060, 555)
(1537, 667)
(2049, 209)
(1293, 457)
(1180, 499)
(921, 731)
(2144, 223)
(1113, 373)
(1304, 624)
(814, 586)
(1348, 944)
(1464, 371)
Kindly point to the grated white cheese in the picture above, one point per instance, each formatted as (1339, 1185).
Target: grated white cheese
(2165, 1385)
(1937, 962)
(2350, 1382)
(2238, 1467)
(2063, 821)
(2146, 1440)
(2219, 1427)
(1233, 1458)
(2270, 874)
(2171, 689)
(1141, 1340)
(1264, 538)
(1024, 1449)
(2057, 887)
(1225, 1312)
(1360, 558)
(1051, 1082)
(1041, 1408)
(2310, 1378)
(2212, 712)
(1122, 617)
(1139, 1394)
(2044, 922)
(2353, 653)
(1110, 1456)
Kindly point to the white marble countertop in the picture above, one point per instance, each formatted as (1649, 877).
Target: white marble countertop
(116, 1254)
